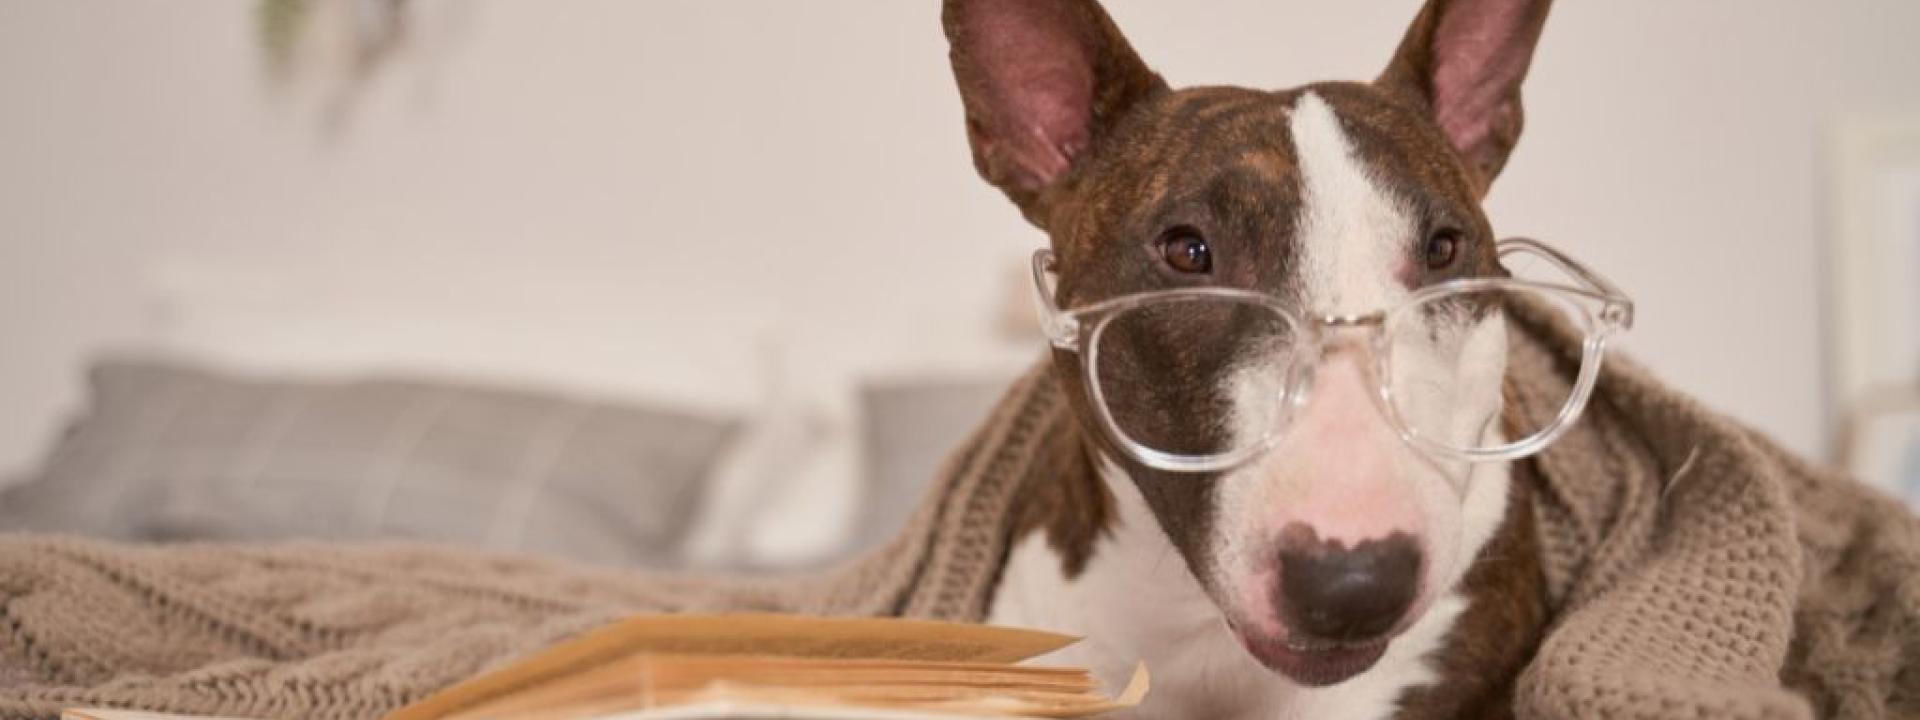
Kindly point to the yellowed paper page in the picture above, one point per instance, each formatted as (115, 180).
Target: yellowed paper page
(657, 680)
(105, 714)
(747, 634)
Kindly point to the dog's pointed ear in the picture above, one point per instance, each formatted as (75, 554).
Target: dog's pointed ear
(1042, 82)
(1463, 60)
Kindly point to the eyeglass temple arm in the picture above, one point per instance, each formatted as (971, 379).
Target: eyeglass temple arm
(1620, 307)
(1061, 328)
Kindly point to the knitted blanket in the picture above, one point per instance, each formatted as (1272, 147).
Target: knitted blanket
(1694, 569)
(319, 631)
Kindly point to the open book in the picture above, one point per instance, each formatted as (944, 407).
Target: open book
(740, 667)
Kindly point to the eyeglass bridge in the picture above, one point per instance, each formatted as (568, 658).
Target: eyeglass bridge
(1372, 319)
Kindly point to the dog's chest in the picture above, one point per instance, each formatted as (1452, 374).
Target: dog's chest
(1136, 601)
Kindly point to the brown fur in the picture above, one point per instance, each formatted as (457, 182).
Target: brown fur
(1073, 507)
(1505, 619)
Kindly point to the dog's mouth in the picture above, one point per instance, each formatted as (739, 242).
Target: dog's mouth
(1315, 664)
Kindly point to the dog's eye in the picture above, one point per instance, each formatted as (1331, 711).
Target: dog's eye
(1184, 250)
(1442, 248)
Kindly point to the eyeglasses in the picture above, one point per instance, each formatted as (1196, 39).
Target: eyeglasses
(1205, 379)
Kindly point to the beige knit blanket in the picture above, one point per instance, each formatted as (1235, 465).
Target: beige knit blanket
(1694, 570)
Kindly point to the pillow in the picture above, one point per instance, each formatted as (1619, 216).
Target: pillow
(911, 426)
(804, 488)
(169, 452)
(783, 497)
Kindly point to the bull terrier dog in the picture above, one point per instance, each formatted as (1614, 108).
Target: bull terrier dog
(1280, 319)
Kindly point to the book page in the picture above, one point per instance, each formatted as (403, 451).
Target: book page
(742, 634)
(722, 709)
(105, 714)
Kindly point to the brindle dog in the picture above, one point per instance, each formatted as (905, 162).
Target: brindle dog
(1342, 574)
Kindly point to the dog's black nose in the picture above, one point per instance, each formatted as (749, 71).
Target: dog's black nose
(1332, 592)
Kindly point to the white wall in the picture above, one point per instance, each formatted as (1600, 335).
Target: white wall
(644, 197)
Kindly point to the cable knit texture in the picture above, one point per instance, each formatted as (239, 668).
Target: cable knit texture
(1695, 570)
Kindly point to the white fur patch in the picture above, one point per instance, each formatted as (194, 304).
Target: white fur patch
(1339, 465)
(1352, 234)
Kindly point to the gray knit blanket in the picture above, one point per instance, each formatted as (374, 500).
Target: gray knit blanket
(1693, 568)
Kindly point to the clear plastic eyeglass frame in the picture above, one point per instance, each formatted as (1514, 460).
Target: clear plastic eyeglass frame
(1609, 312)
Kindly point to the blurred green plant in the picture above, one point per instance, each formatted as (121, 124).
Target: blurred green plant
(280, 22)
(377, 29)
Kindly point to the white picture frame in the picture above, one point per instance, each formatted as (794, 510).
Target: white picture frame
(1873, 304)
(1884, 447)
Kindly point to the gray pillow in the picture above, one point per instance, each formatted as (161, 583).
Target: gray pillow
(169, 452)
(910, 427)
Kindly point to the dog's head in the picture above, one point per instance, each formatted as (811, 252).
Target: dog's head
(1339, 198)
